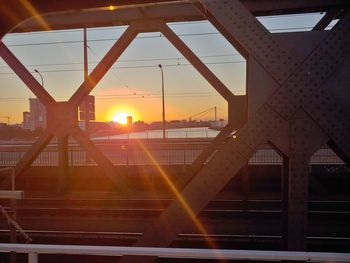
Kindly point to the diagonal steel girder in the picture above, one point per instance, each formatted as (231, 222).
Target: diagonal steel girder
(58, 126)
(219, 87)
(293, 74)
(104, 65)
(25, 75)
(196, 62)
(280, 62)
(82, 138)
(30, 155)
(95, 76)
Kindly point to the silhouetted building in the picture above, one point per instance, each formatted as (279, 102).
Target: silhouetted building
(129, 120)
(26, 120)
(37, 114)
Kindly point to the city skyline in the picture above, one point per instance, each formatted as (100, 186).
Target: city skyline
(36, 116)
(186, 92)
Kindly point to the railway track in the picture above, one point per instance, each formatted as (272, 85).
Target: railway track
(232, 219)
(148, 203)
(239, 224)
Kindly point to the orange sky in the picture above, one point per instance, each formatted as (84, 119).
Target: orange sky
(134, 83)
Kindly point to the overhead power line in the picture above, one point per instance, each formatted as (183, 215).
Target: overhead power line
(285, 29)
(113, 73)
(137, 67)
(127, 60)
(105, 39)
(128, 96)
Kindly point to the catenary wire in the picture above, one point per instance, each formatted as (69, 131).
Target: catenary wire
(144, 37)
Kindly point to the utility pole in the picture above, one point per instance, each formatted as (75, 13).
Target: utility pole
(86, 75)
(163, 104)
(216, 115)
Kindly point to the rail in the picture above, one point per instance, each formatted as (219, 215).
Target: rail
(33, 252)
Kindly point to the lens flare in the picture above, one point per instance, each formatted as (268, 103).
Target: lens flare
(180, 198)
(31, 9)
(112, 7)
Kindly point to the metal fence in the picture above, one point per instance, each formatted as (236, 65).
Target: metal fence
(127, 152)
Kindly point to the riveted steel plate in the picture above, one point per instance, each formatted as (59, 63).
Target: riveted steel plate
(224, 165)
(298, 185)
(210, 179)
(304, 86)
(261, 127)
(253, 36)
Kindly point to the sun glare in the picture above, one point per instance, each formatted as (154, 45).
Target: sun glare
(121, 117)
(121, 113)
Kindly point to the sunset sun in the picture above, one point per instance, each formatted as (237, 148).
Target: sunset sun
(121, 117)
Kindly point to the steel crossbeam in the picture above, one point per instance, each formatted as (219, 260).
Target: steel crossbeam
(171, 11)
(62, 121)
(25, 75)
(305, 139)
(299, 81)
(214, 145)
(304, 88)
(103, 66)
(298, 89)
(225, 164)
(197, 63)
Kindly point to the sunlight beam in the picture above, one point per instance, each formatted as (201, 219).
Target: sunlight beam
(179, 197)
(36, 15)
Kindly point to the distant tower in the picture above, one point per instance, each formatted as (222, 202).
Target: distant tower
(26, 120)
(129, 120)
(37, 114)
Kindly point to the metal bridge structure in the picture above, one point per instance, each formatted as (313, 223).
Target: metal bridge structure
(297, 94)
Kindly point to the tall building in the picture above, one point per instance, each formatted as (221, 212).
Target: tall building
(26, 123)
(129, 120)
(37, 114)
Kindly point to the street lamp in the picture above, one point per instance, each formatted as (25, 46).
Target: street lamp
(42, 80)
(163, 105)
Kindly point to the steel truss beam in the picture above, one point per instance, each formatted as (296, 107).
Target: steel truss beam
(303, 88)
(171, 11)
(219, 87)
(305, 139)
(62, 115)
(300, 84)
(25, 75)
(59, 112)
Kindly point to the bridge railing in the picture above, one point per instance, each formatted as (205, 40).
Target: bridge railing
(34, 251)
(128, 152)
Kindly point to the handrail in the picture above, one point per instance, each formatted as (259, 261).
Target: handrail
(129, 153)
(34, 250)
